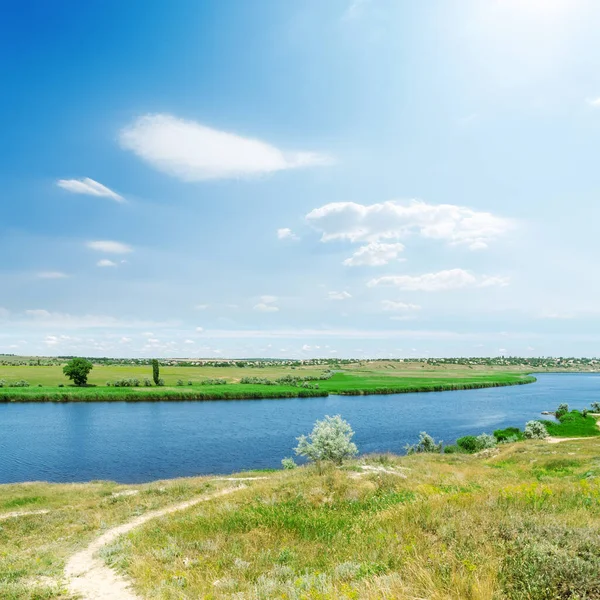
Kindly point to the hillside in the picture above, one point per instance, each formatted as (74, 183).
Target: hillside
(520, 522)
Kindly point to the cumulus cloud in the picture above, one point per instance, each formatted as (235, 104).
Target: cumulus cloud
(194, 152)
(285, 233)
(435, 282)
(390, 305)
(374, 254)
(338, 295)
(393, 220)
(52, 275)
(267, 304)
(105, 262)
(110, 247)
(89, 187)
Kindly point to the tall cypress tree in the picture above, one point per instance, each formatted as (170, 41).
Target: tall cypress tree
(155, 371)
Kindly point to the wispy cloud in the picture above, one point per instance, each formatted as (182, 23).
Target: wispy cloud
(285, 233)
(450, 279)
(110, 247)
(267, 304)
(105, 262)
(355, 9)
(52, 275)
(338, 295)
(194, 152)
(594, 102)
(89, 187)
(392, 306)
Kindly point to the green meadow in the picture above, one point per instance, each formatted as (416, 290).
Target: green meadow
(370, 378)
(521, 523)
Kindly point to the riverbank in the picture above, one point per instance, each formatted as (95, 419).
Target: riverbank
(350, 383)
(427, 526)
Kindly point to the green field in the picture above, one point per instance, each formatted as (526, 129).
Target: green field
(522, 524)
(370, 378)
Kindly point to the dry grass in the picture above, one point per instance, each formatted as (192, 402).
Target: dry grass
(524, 524)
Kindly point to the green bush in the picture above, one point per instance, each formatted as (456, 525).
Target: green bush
(288, 463)
(425, 444)
(595, 407)
(510, 433)
(535, 430)
(562, 409)
(468, 443)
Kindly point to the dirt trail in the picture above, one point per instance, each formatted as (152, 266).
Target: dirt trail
(22, 513)
(89, 578)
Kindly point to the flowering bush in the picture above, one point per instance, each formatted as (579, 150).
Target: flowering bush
(535, 430)
(330, 440)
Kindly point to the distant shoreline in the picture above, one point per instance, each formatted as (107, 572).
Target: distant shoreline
(140, 394)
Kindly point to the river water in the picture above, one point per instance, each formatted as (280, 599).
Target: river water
(144, 441)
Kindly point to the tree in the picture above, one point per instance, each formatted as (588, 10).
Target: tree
(78, 370)
(330, 440)
(155, 372)
(535, 430)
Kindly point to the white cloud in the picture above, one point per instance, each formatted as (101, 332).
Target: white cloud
(265, 307)
(90, 187)
(268, 299)
(285, 233)
(199, 329)
(594, 102)
(189, 342)
(338, 295)
(355, 9)
(105, 262)
(440, 281)
(110, 247)
(201, 306)
(193, 152)
(393, 220)
(374, 254)
(52, 275)
(43, 318)
(399, 306)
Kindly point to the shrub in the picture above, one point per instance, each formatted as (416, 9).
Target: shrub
(535, 430)
(425, 444)
(596, 407)
(485, 441)
(161, 382)
(189, 382)
(584, 413)
(510, 433)
(155, 371)
(180, 382)
(19, 384)
(61, 385)
(562, 409)
(288, 463)
(147, 382)
(2, 383)
(213, 382)
(78, 369)
(453, 449)
(329, 440)
(468, 443)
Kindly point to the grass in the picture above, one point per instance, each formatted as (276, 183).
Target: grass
(573, 424)
(378, 378)
(523, 524)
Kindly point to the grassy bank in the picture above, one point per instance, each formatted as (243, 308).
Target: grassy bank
(350, 381)
(574, 424)
(522, 524)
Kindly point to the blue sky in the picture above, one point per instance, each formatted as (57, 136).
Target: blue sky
(296, 179)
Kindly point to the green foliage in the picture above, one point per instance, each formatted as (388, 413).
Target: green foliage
(468, 443)
(213, 382)
(78, 369)
(562, 409)
(155, 371)
(425, 444)
(288, 463)
(573, 424)
(510, 434)
(596, 407)
(180, 382)
(329, 440)
(535, 430)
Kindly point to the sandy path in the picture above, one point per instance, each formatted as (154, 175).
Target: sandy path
(22, 513)
(88, 576)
